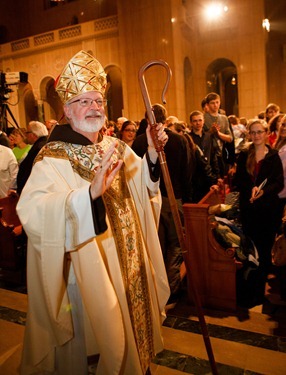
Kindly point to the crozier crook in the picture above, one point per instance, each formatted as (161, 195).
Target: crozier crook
(170, 192)
(146, 98)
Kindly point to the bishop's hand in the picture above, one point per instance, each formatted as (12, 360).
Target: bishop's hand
(157, 139)
(105, 173)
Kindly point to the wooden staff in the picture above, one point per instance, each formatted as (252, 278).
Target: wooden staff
(170, 192)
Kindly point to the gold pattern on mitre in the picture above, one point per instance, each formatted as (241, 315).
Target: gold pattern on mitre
(82, 73)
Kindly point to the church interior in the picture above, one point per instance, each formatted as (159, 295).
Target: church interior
(237, 57)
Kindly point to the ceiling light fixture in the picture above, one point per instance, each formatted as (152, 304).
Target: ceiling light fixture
(266, 24)
(215, 10)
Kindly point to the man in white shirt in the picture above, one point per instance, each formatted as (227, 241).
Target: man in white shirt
(8, 171)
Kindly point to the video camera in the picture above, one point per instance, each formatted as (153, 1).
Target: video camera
(10, 78)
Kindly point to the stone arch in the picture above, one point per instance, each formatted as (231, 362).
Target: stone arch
(27, 105)
(50, 105)
(114, 92)
(221, 77)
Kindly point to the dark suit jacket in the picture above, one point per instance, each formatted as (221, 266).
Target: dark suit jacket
(178, 161)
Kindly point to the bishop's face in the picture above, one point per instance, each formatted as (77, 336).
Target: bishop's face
(86, 112)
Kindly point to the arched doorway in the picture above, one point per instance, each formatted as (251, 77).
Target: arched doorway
(27, 106)
(52, 107)
(50, 102)
(114, 93)
(221, 77)
(30, 105)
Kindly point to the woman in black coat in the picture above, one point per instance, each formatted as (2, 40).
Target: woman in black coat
(259, 179)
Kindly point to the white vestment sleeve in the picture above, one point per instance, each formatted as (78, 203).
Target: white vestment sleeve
(79, 219)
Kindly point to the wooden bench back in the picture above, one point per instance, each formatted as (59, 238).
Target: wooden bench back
(212, 197)
(12, 243)
(213, 268)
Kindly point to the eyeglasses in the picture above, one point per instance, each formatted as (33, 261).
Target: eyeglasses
(129, 130)
(86, 102)
(259, 132)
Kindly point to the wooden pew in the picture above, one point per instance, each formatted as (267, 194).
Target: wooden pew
(213, 267)
(13, 243)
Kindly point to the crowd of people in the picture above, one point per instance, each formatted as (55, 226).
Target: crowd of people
(104, 258)
(21, 148)
(222, 150)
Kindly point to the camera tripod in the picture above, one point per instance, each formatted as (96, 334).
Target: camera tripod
(4, 119)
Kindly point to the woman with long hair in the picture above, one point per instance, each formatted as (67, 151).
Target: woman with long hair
(128, 132)
(274, 124)
(259, 179)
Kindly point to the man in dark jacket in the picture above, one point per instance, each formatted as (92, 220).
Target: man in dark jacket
(37, 135)
(180, 169)
(204, 140)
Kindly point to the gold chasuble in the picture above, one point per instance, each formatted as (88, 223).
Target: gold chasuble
(125, 226)
(127, 234)
(112, 301)
(96, 277)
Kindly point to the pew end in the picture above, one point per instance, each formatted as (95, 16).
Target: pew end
(13, 243)
(213, 267)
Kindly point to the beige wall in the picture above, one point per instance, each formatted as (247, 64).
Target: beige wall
(238, 37)
(232, 38)
(43, 57)
(276, 56)
(145, 33)
(30, 17)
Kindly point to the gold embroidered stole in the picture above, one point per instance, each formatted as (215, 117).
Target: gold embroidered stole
(127, 234)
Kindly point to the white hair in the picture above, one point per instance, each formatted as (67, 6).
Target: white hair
(121, 120)
(38, 128)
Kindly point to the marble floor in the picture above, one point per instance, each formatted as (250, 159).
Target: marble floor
(245, 342)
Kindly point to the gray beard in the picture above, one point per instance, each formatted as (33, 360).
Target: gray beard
(91, 126)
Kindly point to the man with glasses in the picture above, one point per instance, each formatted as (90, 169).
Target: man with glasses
(96, 277)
